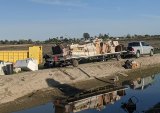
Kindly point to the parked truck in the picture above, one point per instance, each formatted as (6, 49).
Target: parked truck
(139, 48)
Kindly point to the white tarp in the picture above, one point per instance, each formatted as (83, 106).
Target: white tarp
(27, 64)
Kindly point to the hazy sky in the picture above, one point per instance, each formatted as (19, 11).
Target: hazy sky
(41, 19)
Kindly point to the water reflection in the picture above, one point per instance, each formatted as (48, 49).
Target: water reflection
(154, 109)
(142, 96)
(131, 105)
(142, 83)
(97, 102)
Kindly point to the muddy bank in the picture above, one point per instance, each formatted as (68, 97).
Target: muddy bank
(31, 83)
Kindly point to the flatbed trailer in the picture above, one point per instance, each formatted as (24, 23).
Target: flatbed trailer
(60, 60)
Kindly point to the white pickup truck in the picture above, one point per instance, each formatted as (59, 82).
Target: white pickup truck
(139, 48)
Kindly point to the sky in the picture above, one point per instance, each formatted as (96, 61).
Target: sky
(43, 19)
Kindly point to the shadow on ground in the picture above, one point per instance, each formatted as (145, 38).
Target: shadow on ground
(68, 90)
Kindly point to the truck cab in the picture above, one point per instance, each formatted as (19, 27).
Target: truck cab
(139, 48)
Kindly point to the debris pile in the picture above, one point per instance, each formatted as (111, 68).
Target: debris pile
(96, 47)
(131, 64)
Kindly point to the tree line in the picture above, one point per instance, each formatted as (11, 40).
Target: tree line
(86, 36)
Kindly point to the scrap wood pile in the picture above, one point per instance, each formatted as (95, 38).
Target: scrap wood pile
(96, 47)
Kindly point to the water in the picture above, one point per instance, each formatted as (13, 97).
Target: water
(145, 93)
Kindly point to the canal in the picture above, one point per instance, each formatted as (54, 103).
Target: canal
(136, 96)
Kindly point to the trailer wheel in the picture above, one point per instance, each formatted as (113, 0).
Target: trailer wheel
(151, 53)
(118, 57)
(138, 54)
(47, 65)
(75, 63)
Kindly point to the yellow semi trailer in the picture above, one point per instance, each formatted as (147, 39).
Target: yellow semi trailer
(14, 55)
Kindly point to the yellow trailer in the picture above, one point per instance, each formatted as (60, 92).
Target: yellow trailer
(12, 56)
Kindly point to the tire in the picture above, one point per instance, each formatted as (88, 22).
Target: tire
(118, 57)
(151, 53)
(47, 65)
(75, 63)
(138, 54)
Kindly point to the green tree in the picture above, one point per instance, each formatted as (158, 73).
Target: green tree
(128, 36)
(6, 42)
(65, 40)
(147, 36)
(30, 41)
(105, 37)
(86, 36)
(2, 42)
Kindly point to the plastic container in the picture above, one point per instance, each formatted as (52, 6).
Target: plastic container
(9, 68)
